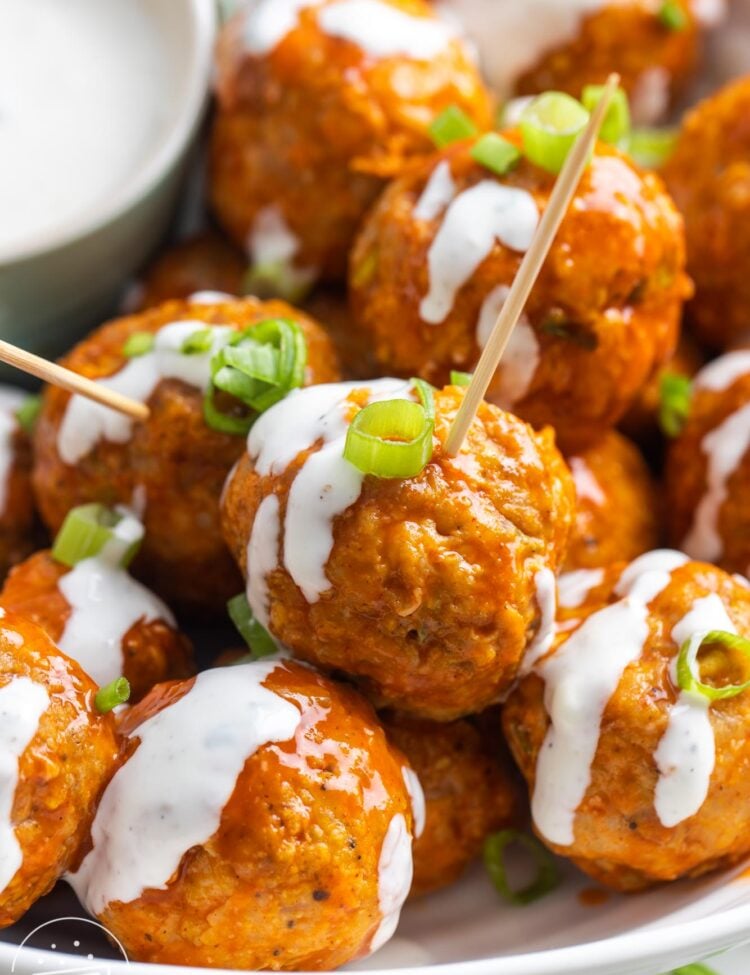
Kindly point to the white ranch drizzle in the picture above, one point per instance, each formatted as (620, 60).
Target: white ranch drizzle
(723, 372)
(710, 13)
(170, 794)
(262, 555)
(521, 357)
(85, 423)
(210, 297)
(326, 484)
(724, 448)
(271, 243)
(580, 678)
(22, 704)
(416, 795)
(395, 871)
(649, 99)
(546, 597)
(477, 217)
(383, 31)
(439, 190)
(267, 22)
(687, 751)
(10, 401)
(574, 587)
(105, 603)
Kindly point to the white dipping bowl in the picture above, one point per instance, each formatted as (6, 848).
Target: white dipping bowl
(56, 284)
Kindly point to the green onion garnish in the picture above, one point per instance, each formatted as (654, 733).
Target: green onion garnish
(28, 412)
(89, 528)
(257, 637)
(675, 393)
(495, 153)
(460, 378)
(672, 16)
(393, 438)
(114, 694)
(547, 877)
(198, 343)
(651, 148)
(451, 125)
(277, 279)
(550, 126)
(616, 126)
(688, 670)
(694, 970)
(258, 367)
(137, 344)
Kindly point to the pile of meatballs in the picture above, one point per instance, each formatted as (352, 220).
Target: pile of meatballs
(481, 652)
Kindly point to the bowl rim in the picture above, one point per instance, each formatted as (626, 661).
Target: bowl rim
(174, 139)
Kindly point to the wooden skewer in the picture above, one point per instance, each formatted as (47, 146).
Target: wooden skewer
(559, 201)
(56, 375)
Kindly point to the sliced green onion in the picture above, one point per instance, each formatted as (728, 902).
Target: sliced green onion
(393, 438)
(137, 344)
(616, 126)
(495, 153)
(688, 670)
(277, 279)
(672, 16)
(460, 378)
(257, 368)
(651, 148)
(198, 343)
(258, 639)
(675, 393)
(694, 970)
(90, 528)
(550, 126)
(451, 125)
(547, 877)
(28, 412)
(114, 694)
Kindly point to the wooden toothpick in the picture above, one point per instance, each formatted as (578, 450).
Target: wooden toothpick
(559, 201)
(56, 375)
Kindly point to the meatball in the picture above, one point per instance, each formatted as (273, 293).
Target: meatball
(318, 105)
(206, 263)
(709, 177)
(471, 789)
(171, 468)
(58, 753)
(708, 467)
(102, 618)
(426, 590)
(565, 45)
(633, 778)
(17, 517)
(433, 263)
(319, 877)
(617, 515)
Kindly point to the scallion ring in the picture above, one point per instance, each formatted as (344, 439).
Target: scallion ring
(460, 378)
(112, 695)
(28, 412)
(694, 970)
(138, 344)
(688, 669)
(451, 125)
(393, 438)
(675, 393)
(672, 15)
(257, 637)
(90, 528)
(616, 126)
(257, 368)
(550, 126)
(651, 148)
(547, 877)
(277, 279)
(198, 343)
(495, 153)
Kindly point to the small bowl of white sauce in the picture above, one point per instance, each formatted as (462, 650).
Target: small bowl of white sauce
(100, 103)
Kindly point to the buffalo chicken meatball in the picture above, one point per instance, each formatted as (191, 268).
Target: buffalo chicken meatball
(709, 176)
(618, 509)
(58, 752)
(16, 500)
(708, 467)
(98, 615)
(318, 104)
(426, 589)
(435, 259)
(261, 821)
(471, 789)
(636, 775)
(171, 467)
